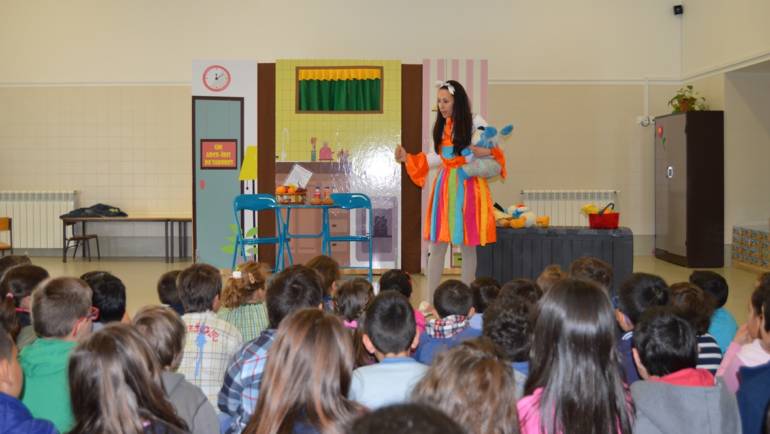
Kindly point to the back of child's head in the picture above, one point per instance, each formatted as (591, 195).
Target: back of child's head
(474, 384)
(20, 281)
(594, 270)
(398, 280)
(521, 288)
(411, 418)
(640, 292)
(666, 342)
(115, 385)
(758, 297)
(6, 262)
(352, 298)
(692, 304)
(713, 284)
(58, 304)
(296, 287)
(243, 285)
(109, 295)
(199, 286)
(763, 280)
(549, 276)
(164, 331)
(509, 324)
(452, 297)
(168, 293)
(389, 322)
(329, 270)
(485, 291)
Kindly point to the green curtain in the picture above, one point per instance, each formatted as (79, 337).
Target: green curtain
(340, 95)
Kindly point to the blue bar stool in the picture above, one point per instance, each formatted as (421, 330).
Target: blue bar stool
(257, 202)
(352, 201)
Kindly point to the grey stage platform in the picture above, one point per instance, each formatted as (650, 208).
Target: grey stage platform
(523, 253)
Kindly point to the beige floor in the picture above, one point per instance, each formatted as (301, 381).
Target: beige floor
(140, 277)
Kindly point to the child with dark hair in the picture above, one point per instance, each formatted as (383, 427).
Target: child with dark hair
(61, 316)
(109, 296)
(638, 293)
(695, 306)
(352, 298)
(329, 270)
(15, 418)
(168, 293)
(6, 262)
(754, 392)
(399, 280)
(550, 275)
(594, 270)
(675, 396)
(164, 332)
(296, 287)
(723, 325)
(390, 333)
(575, 382)
(474, 385)
(509, 324)
(405, 419)
(243, 300)
(16, 288)
(210, 341)
(751, 345)
(485, 291)
(521, 288)
(453, 302)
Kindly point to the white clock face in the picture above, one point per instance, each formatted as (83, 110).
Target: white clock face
(216, 78)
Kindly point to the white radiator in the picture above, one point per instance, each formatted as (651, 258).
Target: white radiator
(563, 206)
(35, 215)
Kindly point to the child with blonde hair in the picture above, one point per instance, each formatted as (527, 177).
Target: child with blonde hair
(243, 300)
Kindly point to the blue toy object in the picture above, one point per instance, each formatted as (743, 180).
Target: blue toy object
(487, 167)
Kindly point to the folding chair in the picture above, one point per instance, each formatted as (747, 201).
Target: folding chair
(257, 202)
(82, 241)
(352, 202)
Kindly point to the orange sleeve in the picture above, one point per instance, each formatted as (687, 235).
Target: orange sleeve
(497, 153)
(417, 168)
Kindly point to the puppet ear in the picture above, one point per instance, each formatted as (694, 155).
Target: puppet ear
(508, 129)
(490, 132)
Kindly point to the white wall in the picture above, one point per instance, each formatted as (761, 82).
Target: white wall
(98, 41)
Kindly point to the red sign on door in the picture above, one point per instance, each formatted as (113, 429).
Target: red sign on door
(219, 154)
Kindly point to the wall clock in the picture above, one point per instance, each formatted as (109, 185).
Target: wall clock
(216, 78)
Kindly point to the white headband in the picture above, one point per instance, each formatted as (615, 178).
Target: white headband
(237, 274)
(446, 84)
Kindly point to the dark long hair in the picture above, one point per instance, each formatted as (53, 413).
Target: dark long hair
(462, 118)
(115, 385)
(575, 361)
(307, 377)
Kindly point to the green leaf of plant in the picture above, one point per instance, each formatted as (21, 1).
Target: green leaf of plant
(251, 232)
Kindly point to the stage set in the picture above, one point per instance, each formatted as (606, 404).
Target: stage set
(295, 158)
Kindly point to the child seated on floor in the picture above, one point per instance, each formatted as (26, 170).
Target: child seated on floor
(696, 307)
(401, 281)
(352, 298)
(509, 323)
(164, 332)
(594, 270)
(723, 325)
(675, 396)
(550, 276)
(62, 316)
(329, 270)
(16, 286)
(521, 288)
(485, 291)
(167, 292)
(638, 293)
(390, 333)
(243, 300)
(453, 302)
(15, 418)
(751, 345)
(109, 296)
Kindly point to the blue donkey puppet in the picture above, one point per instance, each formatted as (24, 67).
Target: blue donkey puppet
(487, 167)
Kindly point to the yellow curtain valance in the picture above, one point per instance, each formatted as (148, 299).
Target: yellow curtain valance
(341, 73)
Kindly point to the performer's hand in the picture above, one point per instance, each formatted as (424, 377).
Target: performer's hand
(480, 152)
(400, 154)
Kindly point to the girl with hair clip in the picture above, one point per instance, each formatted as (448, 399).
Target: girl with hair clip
(115, 386)
(243, 300)
(459, 208)
(307, 378)
(351, 301)
(575, 383)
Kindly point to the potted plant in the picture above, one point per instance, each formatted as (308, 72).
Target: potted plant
(686, 99)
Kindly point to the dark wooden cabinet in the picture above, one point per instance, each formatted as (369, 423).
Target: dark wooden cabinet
(689, 188)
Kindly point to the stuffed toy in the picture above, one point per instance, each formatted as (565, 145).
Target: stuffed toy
(487, 167)
(522, 216)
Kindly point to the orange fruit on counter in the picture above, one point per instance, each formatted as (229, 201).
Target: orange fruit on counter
(280, 190)
(291, 189)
